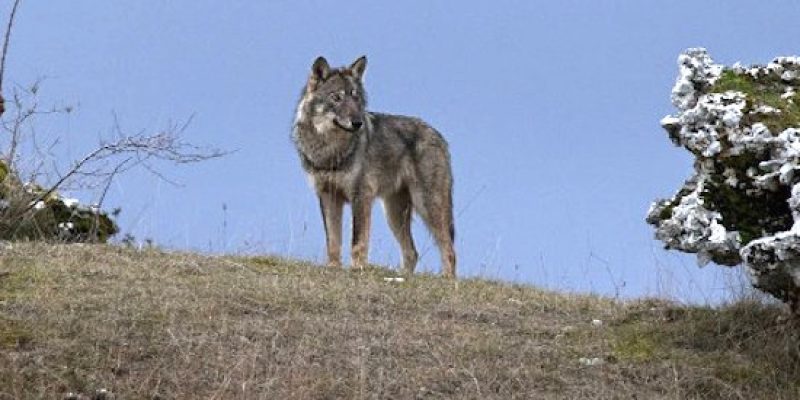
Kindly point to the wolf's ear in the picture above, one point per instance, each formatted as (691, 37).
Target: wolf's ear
(359, 66)
(320, 70)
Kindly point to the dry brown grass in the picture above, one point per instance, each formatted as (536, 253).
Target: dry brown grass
(160, 325)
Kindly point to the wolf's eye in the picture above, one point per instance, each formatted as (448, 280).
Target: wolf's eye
(353, 92)
(335, 97)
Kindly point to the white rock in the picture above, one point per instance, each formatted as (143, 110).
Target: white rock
(591, 361)
(765, 109)
(69, 202)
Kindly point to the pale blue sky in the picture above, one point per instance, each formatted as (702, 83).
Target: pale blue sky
(551, 109)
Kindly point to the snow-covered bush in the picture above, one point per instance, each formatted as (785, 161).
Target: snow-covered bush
(28, 212)
(742, 202)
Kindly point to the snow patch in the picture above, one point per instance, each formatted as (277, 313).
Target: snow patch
(713, 127)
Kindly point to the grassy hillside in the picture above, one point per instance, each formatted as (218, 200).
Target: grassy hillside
(156, 325)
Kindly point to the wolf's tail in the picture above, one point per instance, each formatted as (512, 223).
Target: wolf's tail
(452, 215)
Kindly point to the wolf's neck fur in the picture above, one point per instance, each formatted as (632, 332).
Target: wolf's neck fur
(330, 149)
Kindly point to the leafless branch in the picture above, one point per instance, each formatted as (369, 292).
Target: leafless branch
(99, 205)
(99, 167)
(6, 40)
(134, 150)
(110, 179)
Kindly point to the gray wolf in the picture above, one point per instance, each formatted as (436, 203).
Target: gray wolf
(356, 156)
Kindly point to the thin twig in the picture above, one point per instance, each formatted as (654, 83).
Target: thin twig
(66, 176)
(97, 207)
(101, 165)
(6, 40)
(110, 179)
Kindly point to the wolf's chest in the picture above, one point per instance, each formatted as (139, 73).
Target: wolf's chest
(344, 182)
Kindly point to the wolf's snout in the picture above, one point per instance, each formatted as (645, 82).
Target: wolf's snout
(357, 124)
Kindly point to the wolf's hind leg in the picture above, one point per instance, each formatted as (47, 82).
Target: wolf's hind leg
(436, 209)
(444, 234)
(398, 212)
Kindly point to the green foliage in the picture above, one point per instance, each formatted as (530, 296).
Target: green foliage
(3, 171)
(13, 333)
(54, 220)
(765, 90)
(752, 213)
(741, 344)
(636, 342)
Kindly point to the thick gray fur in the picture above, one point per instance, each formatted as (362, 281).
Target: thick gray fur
(355, 156)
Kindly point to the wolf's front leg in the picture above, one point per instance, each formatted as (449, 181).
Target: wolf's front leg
(362, 211)
(332, 204)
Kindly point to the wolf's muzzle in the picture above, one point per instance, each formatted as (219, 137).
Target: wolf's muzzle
(353, 126)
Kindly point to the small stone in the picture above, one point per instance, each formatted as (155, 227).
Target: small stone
(103, 394)
(591, 361)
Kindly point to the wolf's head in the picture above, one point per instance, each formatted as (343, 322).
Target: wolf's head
(334, 99)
